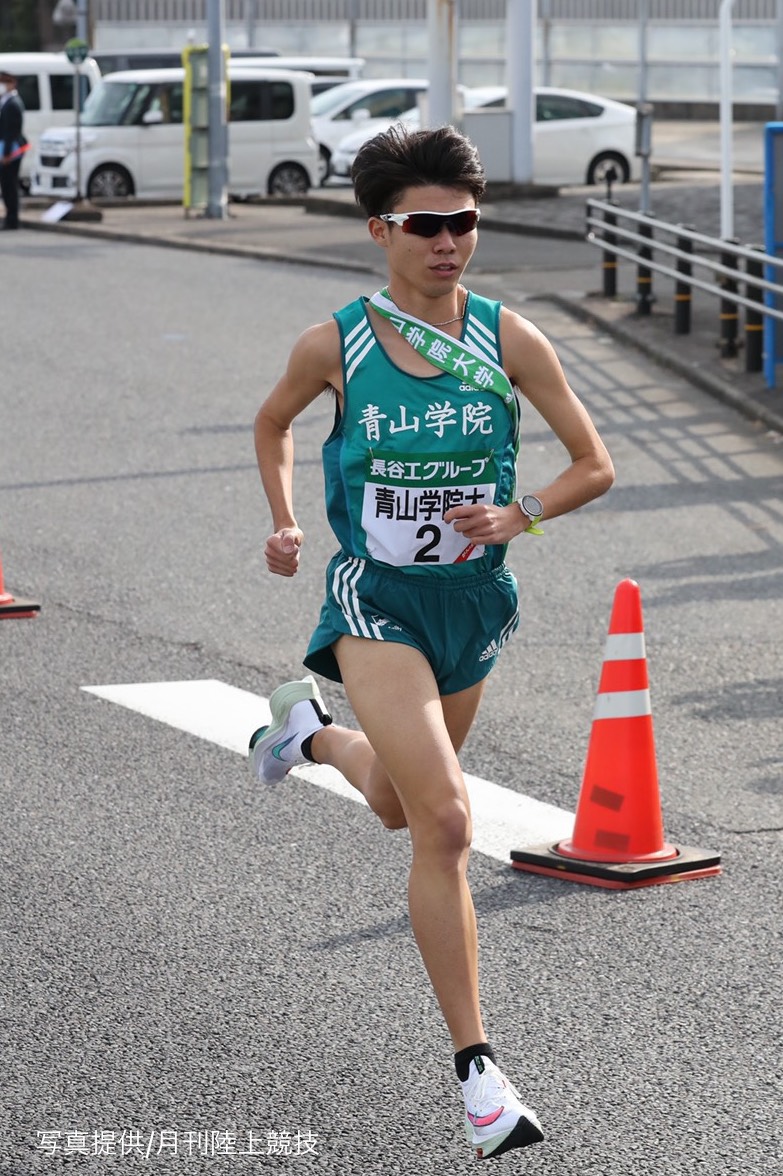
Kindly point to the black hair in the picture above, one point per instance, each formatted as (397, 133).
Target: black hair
(400, 158)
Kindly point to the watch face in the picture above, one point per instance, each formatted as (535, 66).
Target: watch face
(531, 505)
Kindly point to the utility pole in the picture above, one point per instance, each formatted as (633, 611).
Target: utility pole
(779, 44)
(520, 68)
(217, 203)
(643, 112)
(442, 35)
(78, 14)
(726, 124)
(352, 24)
(251, 19)
(545, 24)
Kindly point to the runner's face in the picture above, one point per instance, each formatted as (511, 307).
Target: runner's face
(433, 264)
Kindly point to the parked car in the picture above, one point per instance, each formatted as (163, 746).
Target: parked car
(345, 152)
(577, 137)
(46, 84)
(336, 111)
(132, 137)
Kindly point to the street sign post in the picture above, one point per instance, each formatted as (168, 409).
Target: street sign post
(76, 51)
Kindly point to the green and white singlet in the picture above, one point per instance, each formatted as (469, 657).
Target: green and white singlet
(405, 449)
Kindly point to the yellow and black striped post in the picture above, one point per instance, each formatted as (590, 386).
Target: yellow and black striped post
(609, 258)
(682, 287)
(754, 319)
(729, 309)
(644, 293)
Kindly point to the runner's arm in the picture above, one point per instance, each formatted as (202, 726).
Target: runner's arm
(531, 363)
(314, 364)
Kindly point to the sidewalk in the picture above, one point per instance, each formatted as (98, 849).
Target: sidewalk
(538, 242)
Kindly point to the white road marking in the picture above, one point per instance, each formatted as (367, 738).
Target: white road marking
(502, 819)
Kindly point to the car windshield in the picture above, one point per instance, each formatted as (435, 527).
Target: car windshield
(115, 104)
(330, 100)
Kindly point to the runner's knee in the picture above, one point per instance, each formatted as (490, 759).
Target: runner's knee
(444, 831)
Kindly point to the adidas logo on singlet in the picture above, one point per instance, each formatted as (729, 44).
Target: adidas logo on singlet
(492, 650)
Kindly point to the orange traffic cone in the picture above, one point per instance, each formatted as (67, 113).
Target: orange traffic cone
(618, 840)
(13, 606)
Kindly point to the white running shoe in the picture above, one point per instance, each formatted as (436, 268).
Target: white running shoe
(297, 711)
(496, 1119)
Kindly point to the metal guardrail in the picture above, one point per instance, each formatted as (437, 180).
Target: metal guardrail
(744, 275)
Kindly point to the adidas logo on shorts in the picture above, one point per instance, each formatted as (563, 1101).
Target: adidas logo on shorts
(492, 650)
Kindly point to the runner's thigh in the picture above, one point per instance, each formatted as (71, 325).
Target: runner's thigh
(395, 698)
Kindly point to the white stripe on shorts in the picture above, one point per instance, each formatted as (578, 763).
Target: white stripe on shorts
(508, 630)
(344, 586)
(344, 582)
(341, 589)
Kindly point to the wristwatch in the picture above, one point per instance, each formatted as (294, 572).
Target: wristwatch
(531, 506)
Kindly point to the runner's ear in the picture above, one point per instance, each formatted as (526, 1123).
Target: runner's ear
(379, 231)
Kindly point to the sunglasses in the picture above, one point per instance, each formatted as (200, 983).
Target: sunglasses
(429, 224)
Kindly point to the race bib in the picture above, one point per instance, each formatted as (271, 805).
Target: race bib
(405, 499)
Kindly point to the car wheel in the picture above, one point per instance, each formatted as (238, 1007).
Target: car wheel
(288, 179)
(599, 167)
(324, 164)
(109, 182)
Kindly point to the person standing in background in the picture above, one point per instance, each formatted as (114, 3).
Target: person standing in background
(12, 147)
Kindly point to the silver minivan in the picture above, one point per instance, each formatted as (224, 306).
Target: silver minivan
(132, 140)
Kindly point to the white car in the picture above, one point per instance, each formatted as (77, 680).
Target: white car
(374, 102)
(577, 137)
(345, 152)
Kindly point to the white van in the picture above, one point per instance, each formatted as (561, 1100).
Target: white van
(327, 71)
(347, 68)
(133, 142)
(45, 82)
(116, 60)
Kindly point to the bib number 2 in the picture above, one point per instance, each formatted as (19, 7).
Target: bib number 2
(404, 530)
(427, 553)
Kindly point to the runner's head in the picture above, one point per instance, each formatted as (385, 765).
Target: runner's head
(399, 159)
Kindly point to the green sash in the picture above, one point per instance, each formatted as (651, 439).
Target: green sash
(458, 357)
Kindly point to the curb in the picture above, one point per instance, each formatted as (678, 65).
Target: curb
(530, 230)
(249, 252)
(703, 380)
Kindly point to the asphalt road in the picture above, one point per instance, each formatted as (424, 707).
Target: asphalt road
(185, 953)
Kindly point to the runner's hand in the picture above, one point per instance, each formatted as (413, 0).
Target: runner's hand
(487, 524)
(282, 551)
